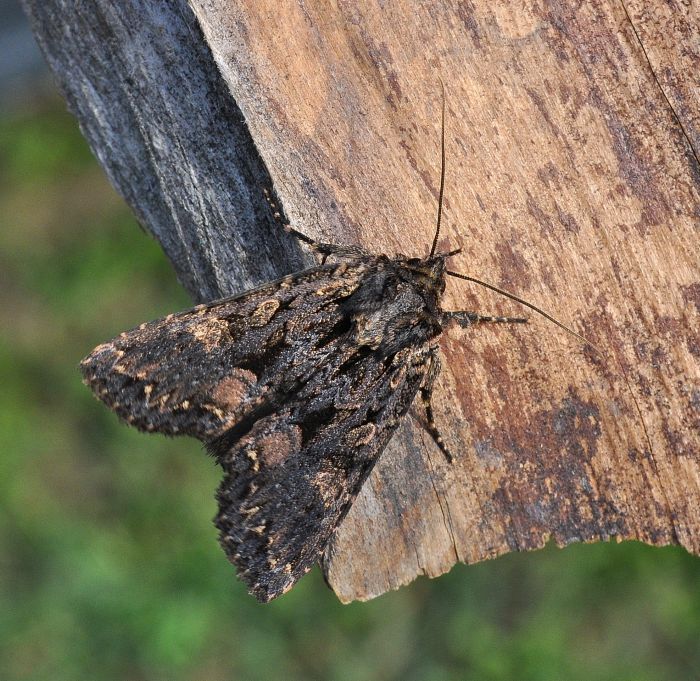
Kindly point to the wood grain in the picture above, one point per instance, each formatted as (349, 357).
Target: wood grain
(573, 180)
(150, 101)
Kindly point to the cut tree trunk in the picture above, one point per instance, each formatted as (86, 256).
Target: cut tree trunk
(573, 132)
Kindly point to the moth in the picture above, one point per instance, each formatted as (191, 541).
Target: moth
(295, 388)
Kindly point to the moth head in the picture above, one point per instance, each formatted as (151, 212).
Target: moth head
(428, 272)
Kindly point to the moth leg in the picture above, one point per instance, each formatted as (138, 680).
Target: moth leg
(325, 249)
(426, 393)
(332, 249)
(465, 319)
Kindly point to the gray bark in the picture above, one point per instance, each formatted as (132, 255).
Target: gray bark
(144, 87)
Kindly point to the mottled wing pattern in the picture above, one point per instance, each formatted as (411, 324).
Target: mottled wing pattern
(293, 476)
(201, 371)
(294, 387)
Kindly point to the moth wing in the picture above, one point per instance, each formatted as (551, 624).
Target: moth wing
(292, 477)
(201, 371)
(296, 408)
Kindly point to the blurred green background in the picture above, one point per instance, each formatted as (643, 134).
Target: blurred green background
(109, 563)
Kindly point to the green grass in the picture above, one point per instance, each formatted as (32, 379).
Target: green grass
(109, 564)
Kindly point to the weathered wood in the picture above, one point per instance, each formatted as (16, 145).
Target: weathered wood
(573, 179)
(152, 105)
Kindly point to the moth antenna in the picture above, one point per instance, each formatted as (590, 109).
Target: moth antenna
(517, 299)
(442, 173)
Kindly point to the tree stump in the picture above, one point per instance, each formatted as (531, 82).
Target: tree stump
(572, 179)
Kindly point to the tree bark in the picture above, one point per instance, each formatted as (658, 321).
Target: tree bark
(572, 179)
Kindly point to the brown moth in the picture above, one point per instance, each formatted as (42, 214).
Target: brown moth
(295, 388)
